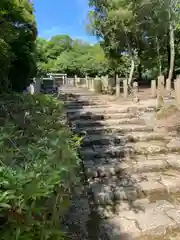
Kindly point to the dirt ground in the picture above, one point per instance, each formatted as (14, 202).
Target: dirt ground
(143, 94)
(167, 119)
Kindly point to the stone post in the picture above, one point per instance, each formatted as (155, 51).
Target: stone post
(110, 83)
(93, 84)
(75, 80)
(98, 84)
(135, 92)
(153, 89)
(63, 80)
(102, 80)
(91, 87)
(89, 84)
(125, 88)
(37, 85)
(86, 81)
(117, 86)
(78, 82)
(161, 83)
(106, 80)
(168, 86)
(160, 97)
(177, 90)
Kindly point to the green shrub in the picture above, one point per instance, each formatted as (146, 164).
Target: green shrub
(38, 164)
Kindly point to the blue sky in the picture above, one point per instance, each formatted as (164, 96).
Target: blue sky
(62, 17)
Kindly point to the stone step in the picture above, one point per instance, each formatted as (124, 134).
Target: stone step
(110, 109)
(114, 190)
(116, 129)
(81, 102)
(91, 110)
(138, 205)
(128, 149)
(104, 168)
(109, 211)
(107, 151)
(109, 122)
(152, 221)
(117, 140)
(86, 106)
(90, 95)
(90, 99)
(90, 116)
(143, 147)
(81, 92)
(154, 147)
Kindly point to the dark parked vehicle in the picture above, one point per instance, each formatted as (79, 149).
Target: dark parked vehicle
(49, 90)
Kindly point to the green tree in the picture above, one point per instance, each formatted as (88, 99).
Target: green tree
(114, 22)
(70, 56)
(58, 44)
(17, 44)
(143, 29)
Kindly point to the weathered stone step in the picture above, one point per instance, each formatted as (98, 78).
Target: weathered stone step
(153, 220)
(138, 205)
(107, 151)
(86, 106)
(79, 92)
(109, 122)
(111, 191)
(93, 117)
(116, 129)
(109, 211)
(154, 147)
(110, 109)
(150, 147)
(116, 140)
(97, 110)
(104, 168)
(90, 95)
(81, 103)
(128, 149)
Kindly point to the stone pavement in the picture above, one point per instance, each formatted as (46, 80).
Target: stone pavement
(131, 171)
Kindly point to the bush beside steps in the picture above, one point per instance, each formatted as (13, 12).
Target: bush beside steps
(38, 165)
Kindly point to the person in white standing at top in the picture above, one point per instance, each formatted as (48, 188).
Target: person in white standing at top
(30, 88)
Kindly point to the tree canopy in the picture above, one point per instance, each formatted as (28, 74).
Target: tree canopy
(143, 30)
(63, 54)
(137, 39)
(17, 44)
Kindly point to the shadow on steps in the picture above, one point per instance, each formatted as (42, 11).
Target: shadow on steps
(105, 184)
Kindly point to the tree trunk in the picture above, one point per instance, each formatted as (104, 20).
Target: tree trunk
(168, 55)
(139, 72)
(130, 78)
(159, 56)
(131, 53)
(172, 51)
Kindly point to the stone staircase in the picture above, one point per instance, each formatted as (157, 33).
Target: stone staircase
(131, 171)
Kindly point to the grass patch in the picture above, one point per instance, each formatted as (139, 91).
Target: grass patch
(168, 119)
(167, 111)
